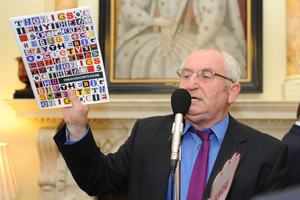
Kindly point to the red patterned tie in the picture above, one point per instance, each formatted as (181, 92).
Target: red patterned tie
(199, 175)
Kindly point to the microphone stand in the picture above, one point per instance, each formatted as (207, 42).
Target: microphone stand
(176, 154)
(177, 177)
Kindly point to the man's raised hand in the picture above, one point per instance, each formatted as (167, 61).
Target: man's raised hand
(75, 117)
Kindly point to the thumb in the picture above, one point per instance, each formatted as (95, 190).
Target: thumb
(73, 97)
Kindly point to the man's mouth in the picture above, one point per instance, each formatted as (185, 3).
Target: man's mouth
(195, 99)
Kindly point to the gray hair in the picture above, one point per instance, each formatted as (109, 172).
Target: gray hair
(231, 66)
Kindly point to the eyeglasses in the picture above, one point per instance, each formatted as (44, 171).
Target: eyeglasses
(206, 75)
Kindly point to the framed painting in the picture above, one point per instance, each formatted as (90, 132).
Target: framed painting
(144, 42)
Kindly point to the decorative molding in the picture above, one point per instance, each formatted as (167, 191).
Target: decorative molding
(49, 121)
(115, 109)
(141, 108)
(48, 157)
(264, 109)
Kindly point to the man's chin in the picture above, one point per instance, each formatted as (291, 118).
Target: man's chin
(194, 114)
(196, 110)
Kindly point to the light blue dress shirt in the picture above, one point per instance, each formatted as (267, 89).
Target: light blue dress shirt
(190, 145)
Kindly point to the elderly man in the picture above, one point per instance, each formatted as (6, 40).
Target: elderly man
(142, 164)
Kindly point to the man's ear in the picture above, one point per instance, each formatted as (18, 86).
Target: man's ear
(234, 90)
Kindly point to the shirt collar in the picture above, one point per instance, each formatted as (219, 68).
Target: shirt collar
(219, 128)
(297, 123)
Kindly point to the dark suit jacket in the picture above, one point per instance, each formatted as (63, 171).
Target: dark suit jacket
(142, 164)
(292, 139)
(290, 193)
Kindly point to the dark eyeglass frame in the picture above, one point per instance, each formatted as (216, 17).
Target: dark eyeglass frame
(200, 72)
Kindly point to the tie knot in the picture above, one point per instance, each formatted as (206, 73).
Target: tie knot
(204, 135)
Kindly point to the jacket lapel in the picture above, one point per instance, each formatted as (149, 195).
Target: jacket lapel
(232, 143)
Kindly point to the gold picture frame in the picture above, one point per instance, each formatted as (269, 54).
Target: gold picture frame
(108, 20)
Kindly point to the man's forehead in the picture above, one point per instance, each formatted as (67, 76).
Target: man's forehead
(206, 59)
(203, 69)
(207, 52)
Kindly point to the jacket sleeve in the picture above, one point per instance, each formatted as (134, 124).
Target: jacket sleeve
(94, 172)
(278, 176)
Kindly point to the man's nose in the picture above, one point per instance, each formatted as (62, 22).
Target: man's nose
(193, 82)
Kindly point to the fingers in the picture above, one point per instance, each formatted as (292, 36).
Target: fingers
(76, 103)
(73, 97)
(169, 21)
(75, 116)
(164, 21)
(168, 17)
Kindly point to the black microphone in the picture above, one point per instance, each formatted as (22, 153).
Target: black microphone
(181, 102)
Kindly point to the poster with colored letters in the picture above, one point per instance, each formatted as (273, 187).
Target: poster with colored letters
(60, 51)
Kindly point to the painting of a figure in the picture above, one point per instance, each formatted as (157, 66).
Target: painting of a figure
(154, 37)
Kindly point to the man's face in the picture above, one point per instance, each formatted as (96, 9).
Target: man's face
(209, 99)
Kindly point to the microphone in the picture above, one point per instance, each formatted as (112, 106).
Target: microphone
(181, 102)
